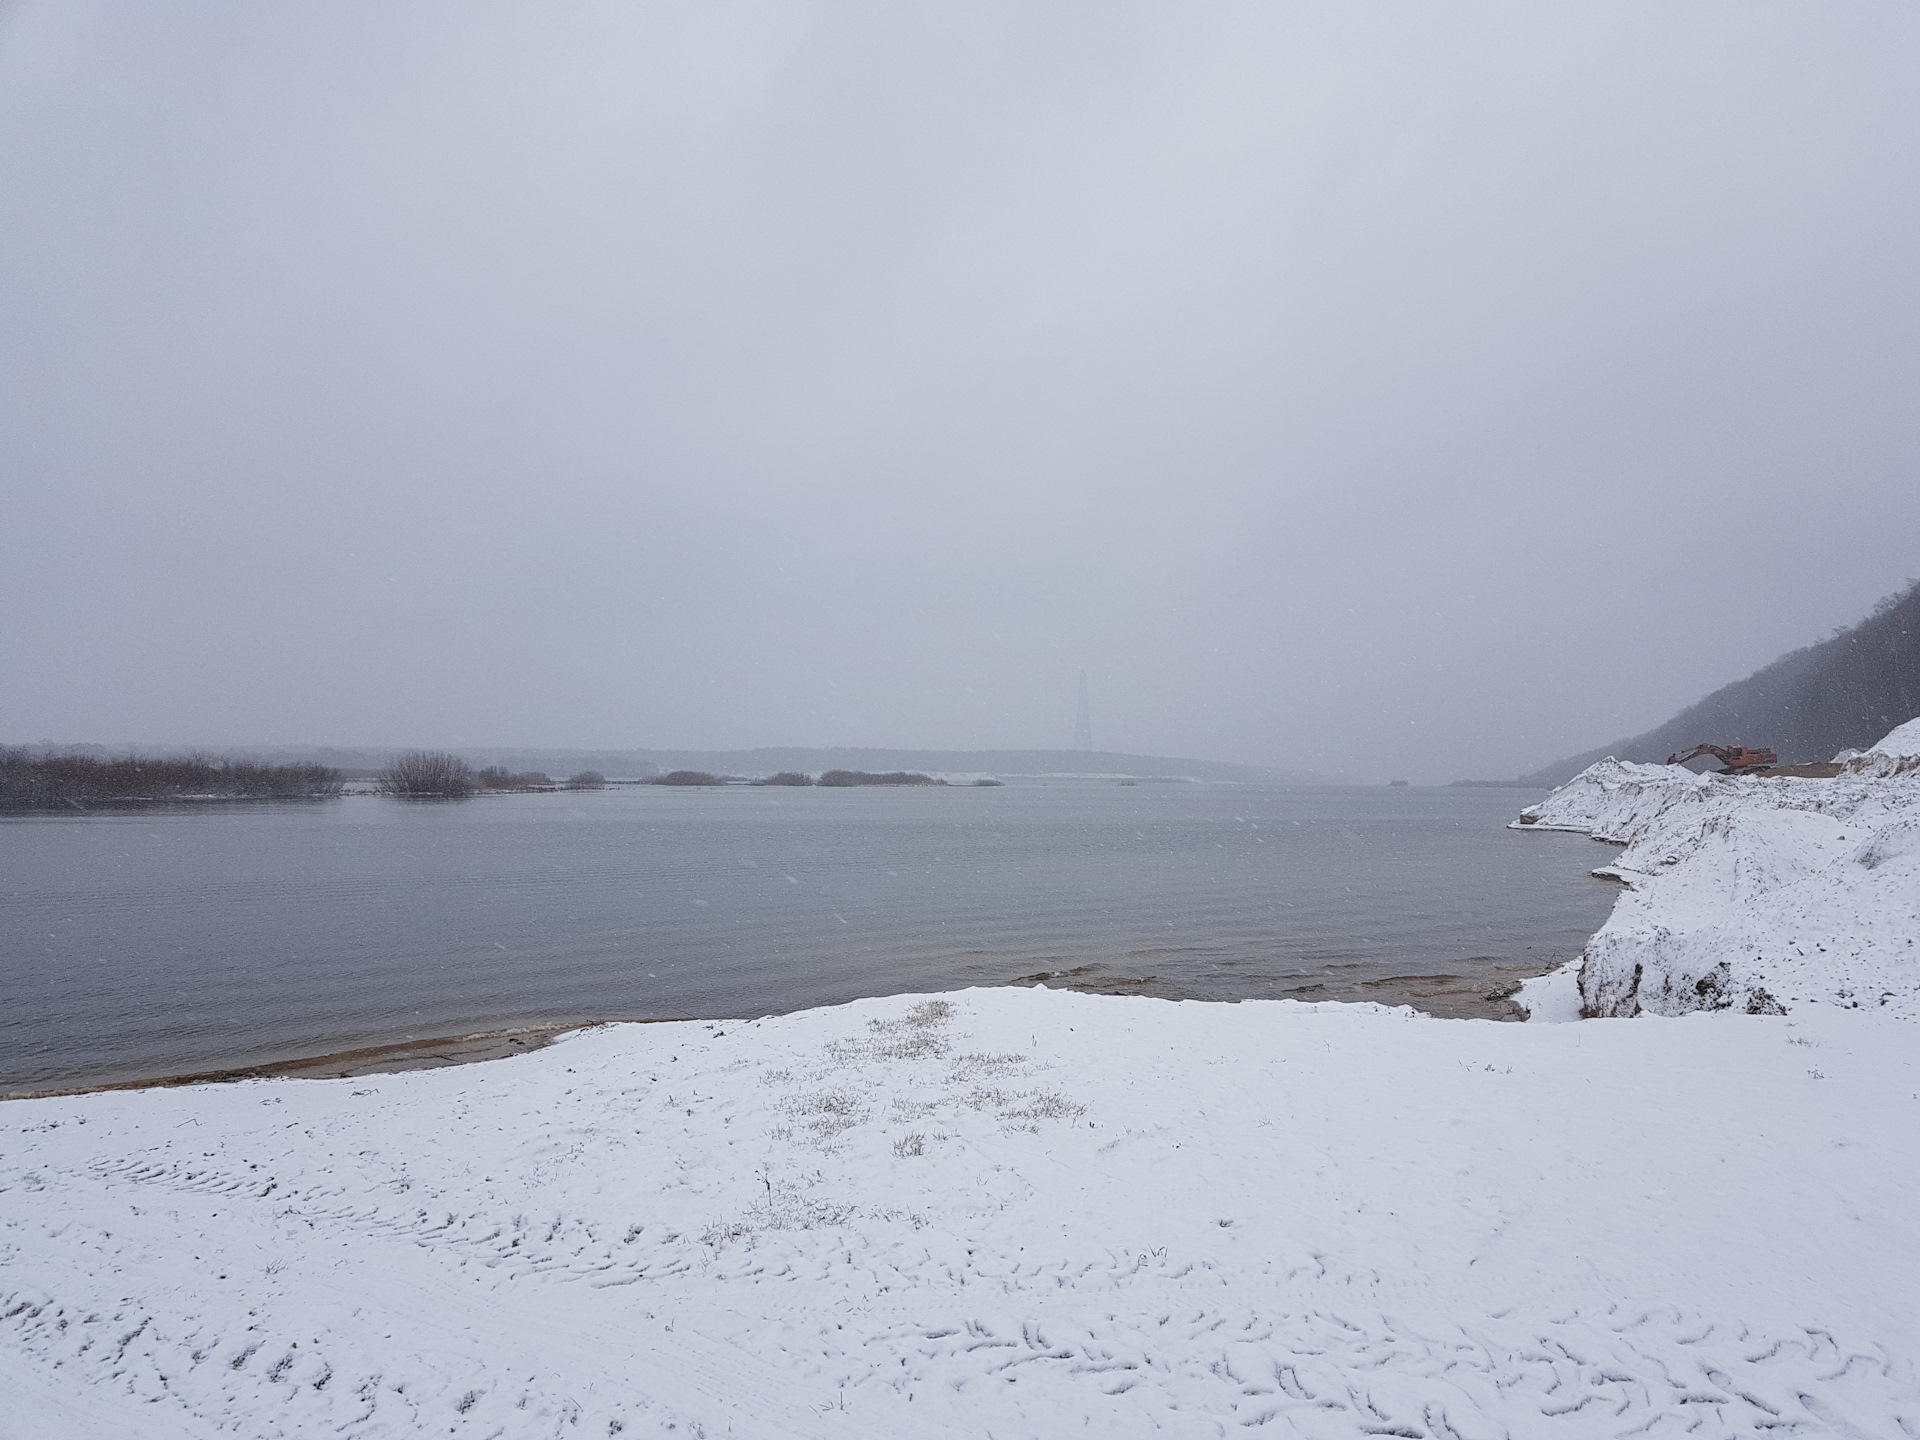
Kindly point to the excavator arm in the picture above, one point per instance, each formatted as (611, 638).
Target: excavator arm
(1734, 758)
(1718, 753)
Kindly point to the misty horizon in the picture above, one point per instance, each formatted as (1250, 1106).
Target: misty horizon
(1345, 389)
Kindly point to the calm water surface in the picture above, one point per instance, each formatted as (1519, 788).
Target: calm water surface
(135, 945)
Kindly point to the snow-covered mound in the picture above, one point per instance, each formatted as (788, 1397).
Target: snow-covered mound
(1753, 892)
(1612, 799)
(1009, 1212)
(1897, 754)
(1905, 740)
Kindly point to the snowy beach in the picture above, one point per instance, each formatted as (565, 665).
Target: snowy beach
(1005, 1212)
(1022, 1212)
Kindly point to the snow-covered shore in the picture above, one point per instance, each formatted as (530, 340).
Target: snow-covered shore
(1023, 1212)
(998, 1212)
(1753, 892)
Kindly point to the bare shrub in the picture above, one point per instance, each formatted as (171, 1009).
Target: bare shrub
(427, 775)
(687, 777)
(786, 777)
(587, 780)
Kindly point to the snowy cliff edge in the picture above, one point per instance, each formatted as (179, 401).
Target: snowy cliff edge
(1761, 893)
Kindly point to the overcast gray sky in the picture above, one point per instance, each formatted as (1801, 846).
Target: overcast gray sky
(1391, 389)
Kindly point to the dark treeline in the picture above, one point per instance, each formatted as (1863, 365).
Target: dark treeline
(1843, 693)
(33, 781)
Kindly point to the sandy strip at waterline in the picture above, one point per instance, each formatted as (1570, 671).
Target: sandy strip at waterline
(1484, 993)
(392, 1059)
(1445, 996)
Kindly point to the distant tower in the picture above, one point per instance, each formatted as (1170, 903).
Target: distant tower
(1083, 723)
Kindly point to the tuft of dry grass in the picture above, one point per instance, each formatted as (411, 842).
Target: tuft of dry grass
(1024, 1111)
(1047, 1106)
(913, 1036)
(983, 1067)
(826, 1112)
(924, 1016)
(981, 1097)
(922, 1046)
(783, 1212)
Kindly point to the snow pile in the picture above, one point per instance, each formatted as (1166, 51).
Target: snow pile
(1905, 740)
(1004, 1212)
(1613, 799)
(1898, 754)
(1753, 892)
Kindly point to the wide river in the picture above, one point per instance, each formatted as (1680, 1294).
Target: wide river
(137, 945)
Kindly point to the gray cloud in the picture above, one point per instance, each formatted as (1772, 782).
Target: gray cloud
(1431, 392)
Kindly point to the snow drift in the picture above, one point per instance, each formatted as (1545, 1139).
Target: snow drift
(1753, 892)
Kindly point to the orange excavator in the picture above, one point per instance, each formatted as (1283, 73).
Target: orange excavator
(1736, 759)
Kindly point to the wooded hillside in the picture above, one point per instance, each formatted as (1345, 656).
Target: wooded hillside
(1808, 705)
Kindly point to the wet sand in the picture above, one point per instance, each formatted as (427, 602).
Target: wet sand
(348, 1064)
(1484, 995)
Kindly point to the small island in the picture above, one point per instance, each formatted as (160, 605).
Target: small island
(841, 778)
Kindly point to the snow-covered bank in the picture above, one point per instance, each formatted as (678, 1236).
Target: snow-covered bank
(1753, 892)
(1000, 1212)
